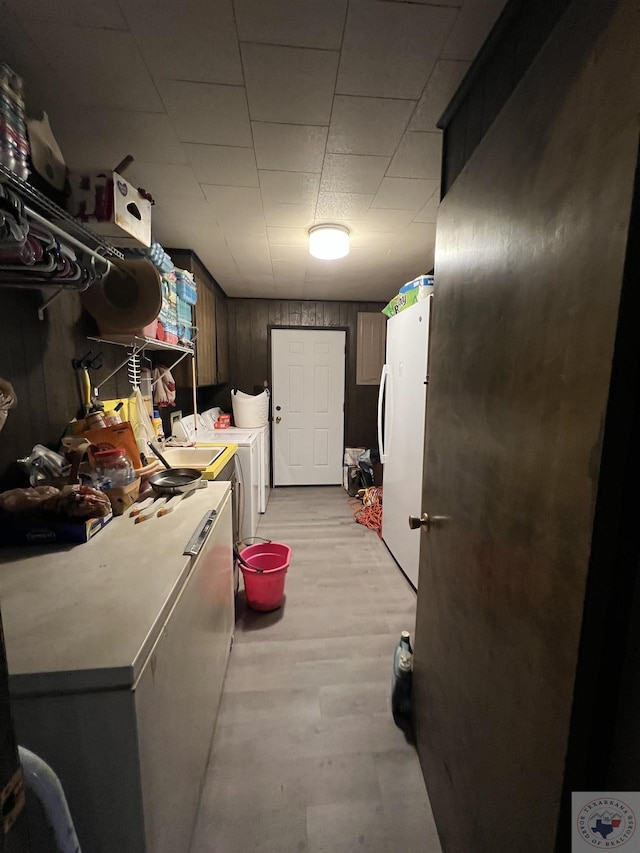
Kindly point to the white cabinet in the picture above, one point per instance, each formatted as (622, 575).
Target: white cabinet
(131, 742)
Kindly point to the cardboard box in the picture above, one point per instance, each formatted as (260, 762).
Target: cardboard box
(119, 435)
(112, 206)
(47, 529)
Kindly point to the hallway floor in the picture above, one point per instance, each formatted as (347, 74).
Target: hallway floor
(305, 754)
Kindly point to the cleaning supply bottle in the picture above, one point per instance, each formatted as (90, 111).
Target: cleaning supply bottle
(157, 425)
(401, 690)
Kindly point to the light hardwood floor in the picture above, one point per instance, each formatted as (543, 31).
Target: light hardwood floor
(305, 754)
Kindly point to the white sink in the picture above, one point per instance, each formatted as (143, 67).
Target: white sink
(192, 457)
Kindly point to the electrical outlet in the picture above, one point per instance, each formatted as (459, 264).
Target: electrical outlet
(173, 417)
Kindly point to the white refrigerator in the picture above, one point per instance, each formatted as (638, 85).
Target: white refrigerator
(401, 422)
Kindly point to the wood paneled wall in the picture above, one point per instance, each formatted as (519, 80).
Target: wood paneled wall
(503, 60)
(35, 356)
(249, 320)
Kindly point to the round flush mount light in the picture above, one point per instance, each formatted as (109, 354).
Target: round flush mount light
(329, 242)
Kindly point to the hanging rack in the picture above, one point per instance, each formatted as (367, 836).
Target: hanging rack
(65, 237)
(39, 203)
(44, 212)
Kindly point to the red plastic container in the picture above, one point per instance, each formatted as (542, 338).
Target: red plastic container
(265, 576)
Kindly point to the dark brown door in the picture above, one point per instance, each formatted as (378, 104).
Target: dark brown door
(530, 255)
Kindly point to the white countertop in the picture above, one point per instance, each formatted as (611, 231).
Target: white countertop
(86, 616)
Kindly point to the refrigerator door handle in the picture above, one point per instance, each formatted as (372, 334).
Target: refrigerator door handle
(381, 394)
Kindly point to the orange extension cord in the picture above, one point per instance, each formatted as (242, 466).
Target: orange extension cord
(370, 513)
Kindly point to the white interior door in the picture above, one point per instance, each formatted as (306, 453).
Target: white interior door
(308, 368)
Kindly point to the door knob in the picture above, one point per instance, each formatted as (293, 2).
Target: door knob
(423, 521)
(278, 419)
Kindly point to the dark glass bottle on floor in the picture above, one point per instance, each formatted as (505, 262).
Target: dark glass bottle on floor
(401, 692)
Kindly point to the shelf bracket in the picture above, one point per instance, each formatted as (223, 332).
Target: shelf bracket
(134, 351)
(48, 302)
(175, 364)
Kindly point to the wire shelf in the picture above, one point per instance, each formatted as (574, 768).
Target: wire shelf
(47, 208)
(135, 342)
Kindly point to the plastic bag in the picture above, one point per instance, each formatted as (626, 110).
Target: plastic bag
(44, 465)
(140, 421)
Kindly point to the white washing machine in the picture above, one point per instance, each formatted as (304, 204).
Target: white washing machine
(208, 419)
(250, 466)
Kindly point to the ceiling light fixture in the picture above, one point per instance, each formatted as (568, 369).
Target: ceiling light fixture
(329, 242)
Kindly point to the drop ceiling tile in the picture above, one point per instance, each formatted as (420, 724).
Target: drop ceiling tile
(473, 25)
(404, 193)
(295, 237)
(367, 125)
(146, 136)
(389, 49)
(415, 236)
(292, 290)
(378, 242)
(164, 180)
(236, 208)
(429, 212)
(300, 23)
(318, 268)
(187, 39)
(84, 145)
(386, 220)
(289, 187)
(342, 205)
(258, 286)
(80, 13)
(45, 89)
(289, 215)
(415, 248)
(298, 255)
(249, 244)
(288, 147)
(185, 210)
(289, 84)
(288, 272)
(419, 155)
(100, 67)
(353, 173)
(223, 164)
(183, 222)
(233, 285)
(441, 86)
(220, 264)
(253, 265)
(205, 112)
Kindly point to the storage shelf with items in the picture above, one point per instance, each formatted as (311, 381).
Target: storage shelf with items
(136, 347)
(210, 316)
(40, 243)
(42, 246)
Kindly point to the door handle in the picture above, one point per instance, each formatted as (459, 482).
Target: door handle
(278, 419)
(423, 521)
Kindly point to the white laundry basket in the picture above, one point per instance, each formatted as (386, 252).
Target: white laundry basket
(250, 412)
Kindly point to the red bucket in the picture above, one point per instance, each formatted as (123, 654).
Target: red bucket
(265, 575)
